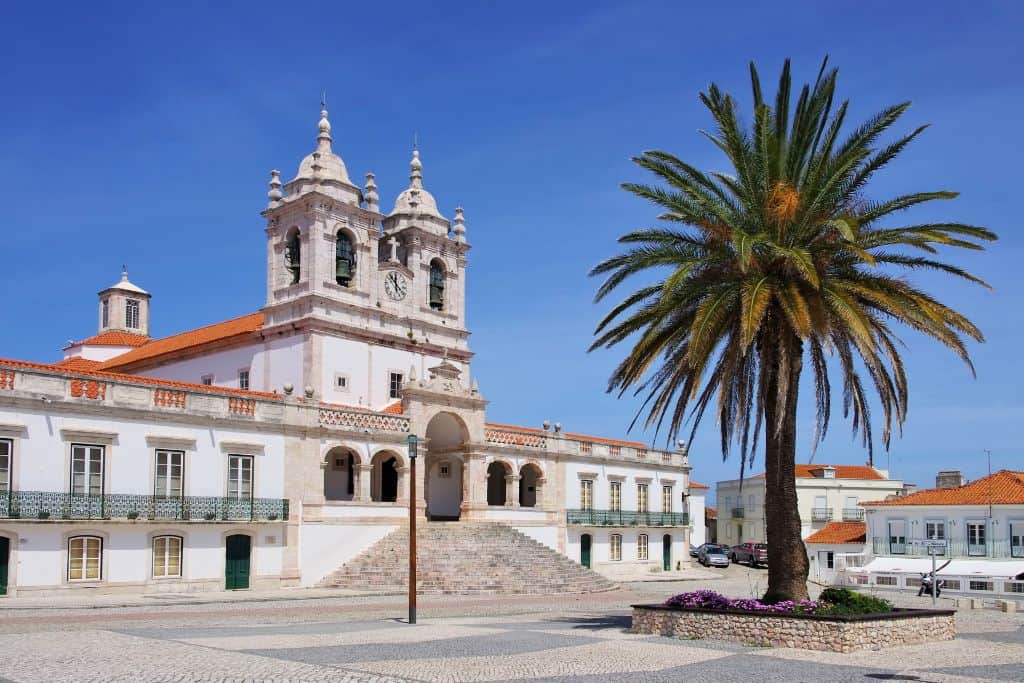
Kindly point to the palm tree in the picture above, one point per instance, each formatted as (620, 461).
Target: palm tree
(784, 259)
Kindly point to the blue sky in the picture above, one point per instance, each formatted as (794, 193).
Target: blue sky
(144, 135)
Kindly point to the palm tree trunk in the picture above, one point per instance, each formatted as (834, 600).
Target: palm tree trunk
(787, 557)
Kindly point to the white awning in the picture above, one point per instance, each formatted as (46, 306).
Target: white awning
(922, 565)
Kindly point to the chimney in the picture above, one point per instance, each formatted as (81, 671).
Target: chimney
(949, 479)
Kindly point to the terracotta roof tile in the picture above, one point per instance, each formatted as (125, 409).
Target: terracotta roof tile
(394, 409)
(191, 339)
(1004, 487)
(710, 512)
(695, 485)
(114, 338)
(580, 437)
(840, 532)
(76, 363)
(842, 472)
(132, 379)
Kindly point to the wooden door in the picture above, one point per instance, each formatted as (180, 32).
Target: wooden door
(236, 565)
(5, 560)
(666, 552)
(585, 550)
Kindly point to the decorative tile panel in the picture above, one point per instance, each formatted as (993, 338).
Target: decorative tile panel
(52, 505)
(242, 406)
(505, 437)
(7, 379)
(168, 398)
(90, 389)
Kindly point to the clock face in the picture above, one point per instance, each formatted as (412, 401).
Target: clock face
(395, 285)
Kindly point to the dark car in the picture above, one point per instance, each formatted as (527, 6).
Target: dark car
(749, 552)
(713, 555)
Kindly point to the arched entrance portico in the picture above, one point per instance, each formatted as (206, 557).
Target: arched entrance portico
(530, 480)
(341, 474)
(385, 470)
(498, 475)
(446, 438)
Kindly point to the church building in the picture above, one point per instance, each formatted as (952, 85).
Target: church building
(273, 449)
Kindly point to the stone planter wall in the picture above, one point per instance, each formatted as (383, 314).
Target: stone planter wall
(837, 634)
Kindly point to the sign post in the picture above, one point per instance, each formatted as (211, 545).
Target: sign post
(934, 546)
(412, 528)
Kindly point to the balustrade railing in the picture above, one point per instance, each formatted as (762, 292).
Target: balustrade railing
(355, 419)
(918, 547)
(853, 514)
(626, 518)
(44, 505)
(821, 514)
(738, 513)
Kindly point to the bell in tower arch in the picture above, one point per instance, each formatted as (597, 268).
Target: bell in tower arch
(344, 260)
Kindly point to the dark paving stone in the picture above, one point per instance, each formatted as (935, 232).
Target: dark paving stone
(183, 632)
(508, 643)
(744, 668)
(996, 636)
(999, 672)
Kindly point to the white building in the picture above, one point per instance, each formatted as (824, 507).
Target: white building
(825, 493)
(978, 526)
(270, 449)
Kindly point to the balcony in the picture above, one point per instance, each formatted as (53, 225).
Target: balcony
(821, 515)
(853, 514)
(50, 505)
(916, 547)
(621, 518)
(737, 513)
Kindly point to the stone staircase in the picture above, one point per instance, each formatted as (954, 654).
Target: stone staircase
(466, 558)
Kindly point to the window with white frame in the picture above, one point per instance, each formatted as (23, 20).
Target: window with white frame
(981, 585)
(166, 557)
(1016, 539)
(897, 536)
(207, 380)
(885, 580)
(170, 469)
(6, 456)
(976, 537)
(641, 547)
(86, 470)
(641, 497)
(587, 494)
(105, 314)
(615, 496)
(340, 382)
(826, 559)
(131, 314)
(395, 384)
(85, 558)
(667, 498)
(240, 477)
(243, 380)
(615, 547)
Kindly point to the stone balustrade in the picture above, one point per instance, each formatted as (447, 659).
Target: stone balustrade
(558, 442)
(359, 419)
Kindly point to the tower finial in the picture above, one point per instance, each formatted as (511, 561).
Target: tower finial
(324, 138)
(415, 141)
(416, 176)
(323, 99)
(124, 273)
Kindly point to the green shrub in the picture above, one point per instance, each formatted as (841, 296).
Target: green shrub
(843, 601)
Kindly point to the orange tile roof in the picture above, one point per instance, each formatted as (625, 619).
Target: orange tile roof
(76, 363)
(840, 532)
(710, 511)
(191, 339)
(842, 472)
(580, 437)
(114, 338)
(695, 485)
(132, 379)
(393, 409)
(1004, 487)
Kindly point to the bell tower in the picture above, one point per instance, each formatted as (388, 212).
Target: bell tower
(124, 307)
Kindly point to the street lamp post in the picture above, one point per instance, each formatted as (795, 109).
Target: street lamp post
(412, 528)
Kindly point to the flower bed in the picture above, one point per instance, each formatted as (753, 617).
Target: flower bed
(806, 624)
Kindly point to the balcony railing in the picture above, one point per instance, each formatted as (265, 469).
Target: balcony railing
(46, 505)
(621, 518)
(917, 547)
(853, 514)
(738, 513)
(821, 515)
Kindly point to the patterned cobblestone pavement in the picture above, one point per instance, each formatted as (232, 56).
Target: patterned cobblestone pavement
(571, 639)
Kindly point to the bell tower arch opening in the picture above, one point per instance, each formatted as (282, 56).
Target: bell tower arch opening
(447, 438)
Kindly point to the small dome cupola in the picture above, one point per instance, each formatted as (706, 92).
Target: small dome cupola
(124, 307)
(323, 170)
(415, 206)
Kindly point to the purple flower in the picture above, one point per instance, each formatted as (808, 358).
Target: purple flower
(707, 599)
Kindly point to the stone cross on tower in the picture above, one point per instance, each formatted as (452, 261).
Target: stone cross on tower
(393, 243)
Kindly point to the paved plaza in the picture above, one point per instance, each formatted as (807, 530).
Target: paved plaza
(568, 638)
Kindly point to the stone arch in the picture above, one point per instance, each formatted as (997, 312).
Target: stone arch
(531, 479)
(499, 475)
(293, 254)
(385, 476)
(346, 243)
(436, 284)
(446, 440)
(342, 472)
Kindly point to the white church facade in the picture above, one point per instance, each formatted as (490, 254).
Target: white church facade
(271, 449)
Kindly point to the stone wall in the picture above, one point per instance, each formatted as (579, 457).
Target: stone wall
(837, 634)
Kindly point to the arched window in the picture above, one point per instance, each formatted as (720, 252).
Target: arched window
(344, 260)
(85, 558)
(293, 255)
(436, 285)
(166, 557)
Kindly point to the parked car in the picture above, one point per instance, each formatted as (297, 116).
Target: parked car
(713, 555)
(749, 552)
(695, 550)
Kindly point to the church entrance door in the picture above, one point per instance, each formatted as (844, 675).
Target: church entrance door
(5, 559)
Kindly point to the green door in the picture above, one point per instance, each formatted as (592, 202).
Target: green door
(666, 552)
(236, 566)
(5, 559)
(585, 550)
